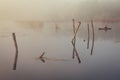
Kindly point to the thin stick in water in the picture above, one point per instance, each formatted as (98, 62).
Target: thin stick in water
(93, 37)
(42, 55)
(16, 53)
(79, 61)
(77, 30)
(74, 41)
(74, 26)
(88, 36)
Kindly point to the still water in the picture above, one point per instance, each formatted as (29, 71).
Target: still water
(55, 40)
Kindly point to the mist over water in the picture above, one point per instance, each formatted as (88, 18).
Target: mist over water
(59, 10)
(46, 26)
(56, 42)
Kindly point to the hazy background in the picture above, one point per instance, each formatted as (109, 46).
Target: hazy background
(46, 25)
(57, 10)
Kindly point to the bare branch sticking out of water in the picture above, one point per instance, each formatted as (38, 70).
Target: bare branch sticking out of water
(74, 38)
(75, 51)
(42, 55)
(73, 26)
(42, 58)
(76, 30)
(16, 54)
(74, 41)
(93, 39)
(88, 36)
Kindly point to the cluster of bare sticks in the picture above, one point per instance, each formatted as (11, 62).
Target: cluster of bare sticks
(93, 36)
(75, 30)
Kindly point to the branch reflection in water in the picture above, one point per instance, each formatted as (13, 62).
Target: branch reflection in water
(43, 58)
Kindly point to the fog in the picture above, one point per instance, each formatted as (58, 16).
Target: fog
(59, 10)
(46, 26)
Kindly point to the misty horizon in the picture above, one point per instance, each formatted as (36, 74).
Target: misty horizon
(59, 39)
(59, 10)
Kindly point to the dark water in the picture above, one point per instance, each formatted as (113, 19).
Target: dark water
(32, 41)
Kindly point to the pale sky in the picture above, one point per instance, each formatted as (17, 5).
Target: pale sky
(58, 9)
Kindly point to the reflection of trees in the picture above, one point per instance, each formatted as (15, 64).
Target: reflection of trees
(75, 30)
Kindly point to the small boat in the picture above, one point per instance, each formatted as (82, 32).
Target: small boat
(105, 28)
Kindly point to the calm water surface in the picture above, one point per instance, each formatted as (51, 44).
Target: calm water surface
(32, 41)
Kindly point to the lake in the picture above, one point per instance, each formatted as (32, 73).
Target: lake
(54, 38)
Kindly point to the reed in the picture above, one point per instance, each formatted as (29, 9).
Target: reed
(88, 40)
(16, 52)
(93, 38)
(74, 36)
(75, 51)
(75, 33)
(41, 57)
(73, 26)
(74, 41)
